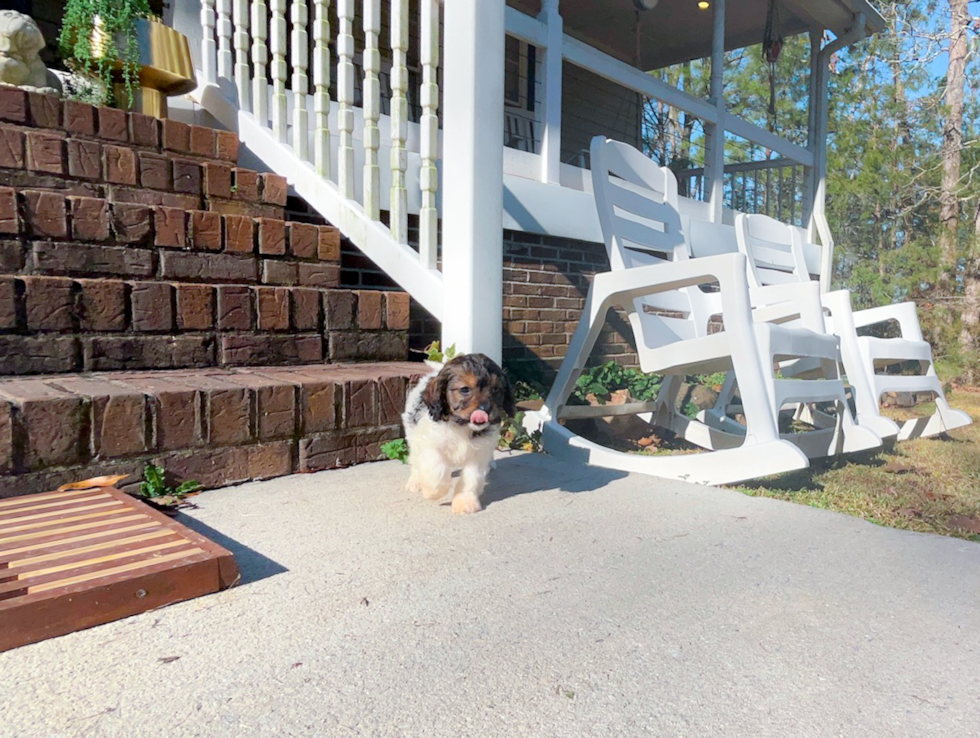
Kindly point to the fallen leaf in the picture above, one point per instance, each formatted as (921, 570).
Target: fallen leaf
(297, 664)
(894, 467)
(93, 483)
(167, 659)
(364, 601)
(964, 522)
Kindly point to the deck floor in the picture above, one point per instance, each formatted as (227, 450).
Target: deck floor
(580, 603)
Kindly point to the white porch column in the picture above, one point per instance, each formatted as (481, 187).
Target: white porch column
(473, 165)
(552, 64)
(813, 112)
(714, 155)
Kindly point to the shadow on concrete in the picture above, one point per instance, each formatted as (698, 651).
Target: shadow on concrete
(523, 473)
(253, 565)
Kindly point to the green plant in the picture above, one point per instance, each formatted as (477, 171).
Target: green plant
(90, 32)
(607, 378)
(396, 450)
(434, 353)
(514, 437)
(711, 380)
(154, 485)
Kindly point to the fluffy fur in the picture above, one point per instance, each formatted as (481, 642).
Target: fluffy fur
(442, 435)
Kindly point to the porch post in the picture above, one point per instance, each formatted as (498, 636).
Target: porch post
(813, 112)
(473, 165)
(551, 128)
(714, 155)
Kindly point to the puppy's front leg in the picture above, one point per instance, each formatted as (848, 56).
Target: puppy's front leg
(430, 475)
(472, 480)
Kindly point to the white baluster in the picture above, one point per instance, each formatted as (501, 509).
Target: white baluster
(241, 55)
(321, 80)
(224, 39)
(301, 82)
(277, 39)
(372, 109)
(209, 50)
(260, 60)
(429, 148)
(345, 96)
(399, 119)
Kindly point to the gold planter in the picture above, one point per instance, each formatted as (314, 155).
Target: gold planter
(166, 68)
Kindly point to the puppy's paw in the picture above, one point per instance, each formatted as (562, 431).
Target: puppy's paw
(465, 504)
(413, 485)
(432, 493)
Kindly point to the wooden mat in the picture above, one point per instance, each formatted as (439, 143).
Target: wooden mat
(71, 560)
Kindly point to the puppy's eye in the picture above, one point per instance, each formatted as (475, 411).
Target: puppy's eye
(464, 390)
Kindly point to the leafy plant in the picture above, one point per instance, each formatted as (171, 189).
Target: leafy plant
(605, 379)
(514, 437)
(396, 450)
(154, 485)
(434, 353)
(89, 34)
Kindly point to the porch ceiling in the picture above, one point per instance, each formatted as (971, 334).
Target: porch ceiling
(677, 31)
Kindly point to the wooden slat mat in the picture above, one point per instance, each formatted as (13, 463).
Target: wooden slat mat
(71, 560)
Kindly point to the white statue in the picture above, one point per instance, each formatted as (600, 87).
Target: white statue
(20, 65)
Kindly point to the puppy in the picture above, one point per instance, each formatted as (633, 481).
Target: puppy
(452, 422)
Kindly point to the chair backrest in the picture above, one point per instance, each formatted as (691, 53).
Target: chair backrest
(774, 250)
(637, 205)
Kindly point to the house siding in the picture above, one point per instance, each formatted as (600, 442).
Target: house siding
(593, 106)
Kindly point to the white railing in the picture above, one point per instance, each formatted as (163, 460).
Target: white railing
(544, 32)
(298, 72)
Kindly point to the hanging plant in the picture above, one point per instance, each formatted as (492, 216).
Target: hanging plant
(92, 33)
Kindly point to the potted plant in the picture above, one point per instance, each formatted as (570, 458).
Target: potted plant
(132, 59)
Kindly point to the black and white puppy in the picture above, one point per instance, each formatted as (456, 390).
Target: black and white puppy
(452, 422)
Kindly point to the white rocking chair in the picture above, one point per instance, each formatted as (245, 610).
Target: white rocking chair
(777, 254)
(652, 280)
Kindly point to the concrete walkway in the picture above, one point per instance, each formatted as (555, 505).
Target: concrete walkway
(580, 603)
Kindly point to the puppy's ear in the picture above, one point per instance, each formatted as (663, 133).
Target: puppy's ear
(509, 405)
(435, 397)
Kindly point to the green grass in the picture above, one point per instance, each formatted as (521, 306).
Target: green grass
(928, 485)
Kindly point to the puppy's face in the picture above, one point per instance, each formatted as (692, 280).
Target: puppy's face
(470, 390)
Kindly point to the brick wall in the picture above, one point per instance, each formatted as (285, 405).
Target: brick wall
(546, 280)
(127, 242)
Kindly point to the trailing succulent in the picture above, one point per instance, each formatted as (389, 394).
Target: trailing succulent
(89, 34)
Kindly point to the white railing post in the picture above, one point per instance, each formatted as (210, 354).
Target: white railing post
(278, 48)
(301, 82)
(241, 55)
(399, 120)
(345, 96)
(429, 124)
(473, 134)
(224, 28)
(372, 109)
(209, 50)
(260, 60)
(553, 59)
(321, 80)
(714, 154)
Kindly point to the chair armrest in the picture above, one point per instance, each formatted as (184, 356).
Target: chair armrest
(903, 313)
(624, 286)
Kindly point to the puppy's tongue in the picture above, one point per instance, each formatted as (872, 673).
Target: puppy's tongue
(479, 417)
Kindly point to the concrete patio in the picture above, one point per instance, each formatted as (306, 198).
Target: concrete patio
(580, 603)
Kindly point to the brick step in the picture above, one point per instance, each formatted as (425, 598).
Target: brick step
(216, 426)
(50, 144)
(138, 241)
(56, 324)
